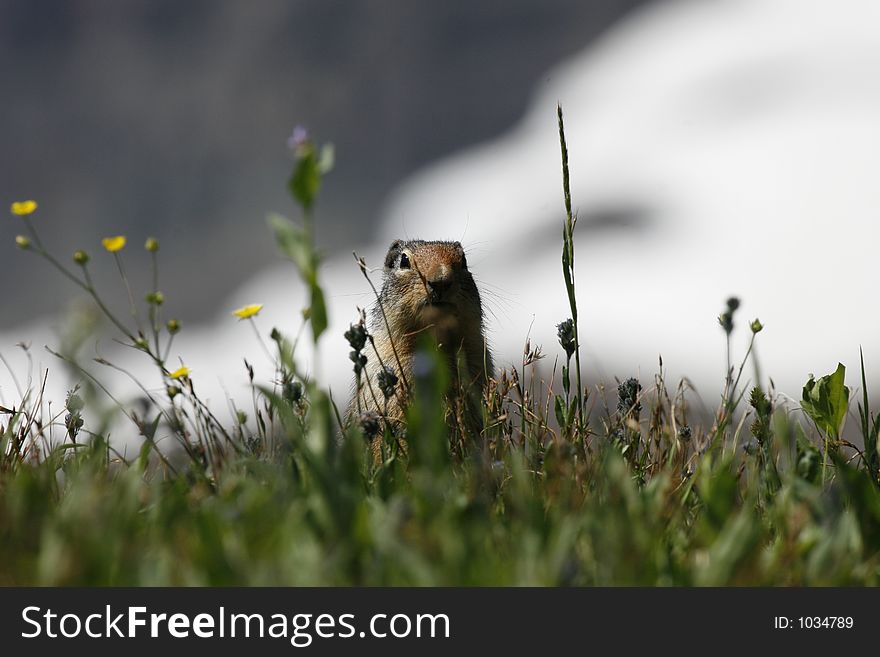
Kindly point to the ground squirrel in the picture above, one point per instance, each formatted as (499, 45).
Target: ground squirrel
(426, 289)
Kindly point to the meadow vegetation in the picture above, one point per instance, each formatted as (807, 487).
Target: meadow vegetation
(567, 484)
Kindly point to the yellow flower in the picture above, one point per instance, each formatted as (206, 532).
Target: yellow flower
(248, 311)
(114, 244)
(22, 208)
(179, 373)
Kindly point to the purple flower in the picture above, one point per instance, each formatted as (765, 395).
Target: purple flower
(298, 138)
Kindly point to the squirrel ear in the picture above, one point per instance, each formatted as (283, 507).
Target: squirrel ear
(393, 250)
(460, 249)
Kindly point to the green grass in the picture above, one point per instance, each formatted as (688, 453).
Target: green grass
(566, 485)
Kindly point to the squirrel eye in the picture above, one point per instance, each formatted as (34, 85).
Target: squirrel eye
(404, 261)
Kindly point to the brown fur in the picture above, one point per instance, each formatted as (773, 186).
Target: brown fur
(427, 288)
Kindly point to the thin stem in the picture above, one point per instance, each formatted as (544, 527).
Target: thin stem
(728, 403)
(363, 265)
(168, 347)
(155, 310)
(729, 378)
(11, 374)
(568, 259)
(155, 265)
(260, 339)
(41, 251)
(90, 288)
(743, 364)
(118, 403)
(87, 285)
(134, 312)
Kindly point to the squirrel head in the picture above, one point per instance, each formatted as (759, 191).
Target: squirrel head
(427, 286)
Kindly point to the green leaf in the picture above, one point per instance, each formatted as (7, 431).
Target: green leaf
(717, 486)
(318, 311)
(305, 182)
(294, 243)
(826, 401)
(149, 443)
(809, 461)
(734, 545)
(559, 407)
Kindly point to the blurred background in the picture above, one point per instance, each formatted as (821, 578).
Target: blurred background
(171, 119)
(725, 148)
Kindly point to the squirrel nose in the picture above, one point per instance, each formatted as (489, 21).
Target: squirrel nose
(438, 287)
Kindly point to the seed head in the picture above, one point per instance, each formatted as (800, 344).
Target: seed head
(356, 336)
(368, 421)
(74, 402)
(359, 360)
(73, 422)
(565, 332)
(628, 397)
(292, 391)
(387, 381)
